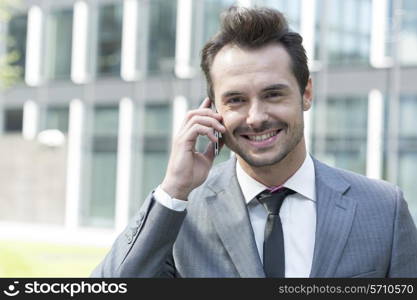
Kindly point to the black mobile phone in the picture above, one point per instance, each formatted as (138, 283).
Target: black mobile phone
(216, 133)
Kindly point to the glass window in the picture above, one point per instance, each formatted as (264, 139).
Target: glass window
(212, 11)
(408, 33)
(106, 120)
(59, 39)
(390, 27)
(99, 204)
(206, 22)
(157, 120)
(16, 43)
(407, 171)
(162, 36)
(348, 32)
(290, 8)
(346, 117)
(343, 144)
(157, 140)
(109, 39)
(334, 17)
(364, 22)
(13, 120)
(57, 118)
(408, 113)
(407, 179)
(349, 14)
(334, 42)
(103, 188)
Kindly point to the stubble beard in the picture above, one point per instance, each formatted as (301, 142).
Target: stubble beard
(285, 148)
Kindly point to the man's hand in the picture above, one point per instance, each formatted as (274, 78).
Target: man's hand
(187, 168)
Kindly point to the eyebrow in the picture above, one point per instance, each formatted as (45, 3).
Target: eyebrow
(231, 94)
(273, 87)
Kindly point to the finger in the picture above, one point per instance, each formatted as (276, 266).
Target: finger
(206, 103)
(206, 121)
(203, 112)
(192, 134)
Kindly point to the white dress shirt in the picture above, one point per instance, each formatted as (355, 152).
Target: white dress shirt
(297, 213)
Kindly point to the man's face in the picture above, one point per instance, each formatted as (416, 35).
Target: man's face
(260, 102)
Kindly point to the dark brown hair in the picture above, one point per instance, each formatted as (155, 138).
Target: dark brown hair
(253, 28)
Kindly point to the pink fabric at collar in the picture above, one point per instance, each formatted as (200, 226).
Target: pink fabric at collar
(275, 188)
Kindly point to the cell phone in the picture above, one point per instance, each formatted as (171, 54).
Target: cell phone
(216, 133)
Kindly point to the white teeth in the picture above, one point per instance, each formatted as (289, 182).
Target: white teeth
(262, 137)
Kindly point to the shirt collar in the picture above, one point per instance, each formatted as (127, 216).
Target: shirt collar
(302, 182)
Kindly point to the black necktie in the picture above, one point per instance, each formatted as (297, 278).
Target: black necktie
(274, 256)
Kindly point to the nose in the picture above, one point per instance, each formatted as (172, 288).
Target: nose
(257, 114)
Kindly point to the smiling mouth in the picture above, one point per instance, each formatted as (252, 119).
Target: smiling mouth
(261, 137)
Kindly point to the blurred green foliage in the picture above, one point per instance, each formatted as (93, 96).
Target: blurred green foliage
(9, 73)
(30, 259)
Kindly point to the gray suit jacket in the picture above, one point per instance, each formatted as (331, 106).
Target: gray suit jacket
(364, 229)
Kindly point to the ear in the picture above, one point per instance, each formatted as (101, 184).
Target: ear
(308, 95)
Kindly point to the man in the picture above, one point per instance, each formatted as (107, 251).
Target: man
(218, 222)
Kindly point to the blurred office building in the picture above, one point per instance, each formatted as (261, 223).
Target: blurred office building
(104, 85)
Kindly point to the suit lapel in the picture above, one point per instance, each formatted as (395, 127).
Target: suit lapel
(231, 220)
(335, 213)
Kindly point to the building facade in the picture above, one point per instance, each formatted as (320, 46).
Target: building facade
(116, 78)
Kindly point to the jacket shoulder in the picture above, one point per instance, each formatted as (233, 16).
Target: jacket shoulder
(362, 186)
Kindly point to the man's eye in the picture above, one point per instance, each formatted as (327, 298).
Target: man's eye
(235, 100)
(273, 95)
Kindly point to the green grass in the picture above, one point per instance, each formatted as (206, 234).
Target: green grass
(27, 259)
